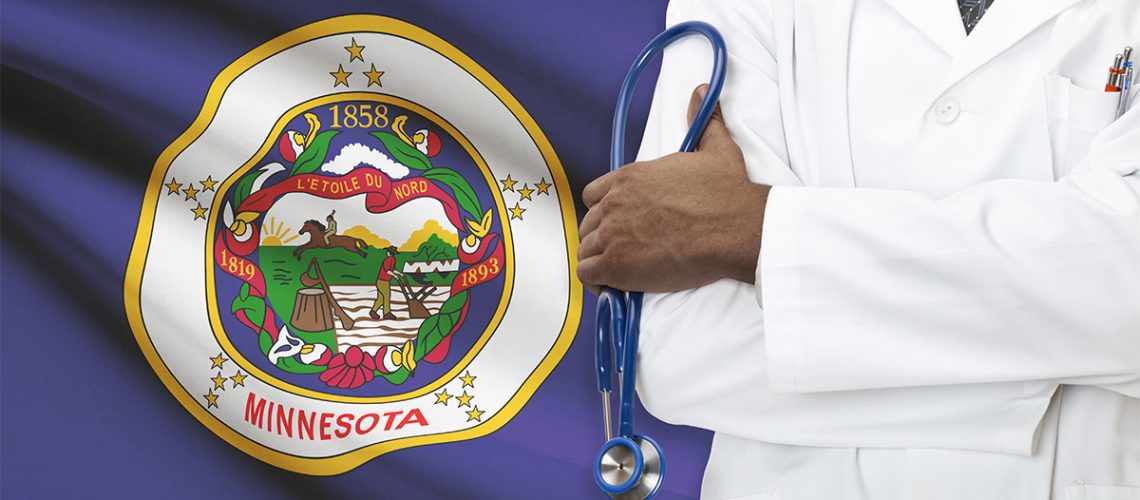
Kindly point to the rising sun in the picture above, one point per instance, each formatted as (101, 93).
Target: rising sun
(276, 234)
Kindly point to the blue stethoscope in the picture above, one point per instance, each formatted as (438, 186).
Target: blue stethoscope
(632, 466)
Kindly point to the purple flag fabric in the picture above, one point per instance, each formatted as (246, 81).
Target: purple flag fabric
(93, 92)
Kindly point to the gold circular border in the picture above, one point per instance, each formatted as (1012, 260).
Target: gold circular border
(136, 265)
(211, 292)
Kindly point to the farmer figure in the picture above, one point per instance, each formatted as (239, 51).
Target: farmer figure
(384, 286)
(331, 229)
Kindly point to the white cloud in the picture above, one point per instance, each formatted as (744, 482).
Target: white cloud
(354, 154)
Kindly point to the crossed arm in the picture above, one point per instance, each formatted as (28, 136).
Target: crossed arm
(946, 314)
(650, 227)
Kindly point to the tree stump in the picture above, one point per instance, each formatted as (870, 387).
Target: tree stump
(312, 311)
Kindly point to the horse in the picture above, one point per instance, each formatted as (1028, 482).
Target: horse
(316, 231)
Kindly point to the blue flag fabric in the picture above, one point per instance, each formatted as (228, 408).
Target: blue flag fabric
(92, 94)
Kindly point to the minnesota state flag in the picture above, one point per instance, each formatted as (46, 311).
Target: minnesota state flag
(307, 250)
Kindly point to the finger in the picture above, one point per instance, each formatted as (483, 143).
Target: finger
(591, 246)
(589, 273)
(597, 189)
(590, 222)
(716, 133)
(695, 101)
(594, 289)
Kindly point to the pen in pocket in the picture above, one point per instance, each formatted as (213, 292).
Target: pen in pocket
(1120, 79)
(1125, 91)
(1113, 72)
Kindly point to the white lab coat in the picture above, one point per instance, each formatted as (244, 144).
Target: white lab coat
(949, 282)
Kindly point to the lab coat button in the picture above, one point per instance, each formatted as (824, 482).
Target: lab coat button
(947, 110)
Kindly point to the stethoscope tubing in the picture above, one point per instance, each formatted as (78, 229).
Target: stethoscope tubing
(704, 113)
(619, 312)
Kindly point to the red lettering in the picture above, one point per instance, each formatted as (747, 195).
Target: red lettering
(266, 414)
(326, 422)
(254, 414)
(345, 423)
(306, 425)
(359, 421)
(413, 417)
(391, 417)
(284, 423)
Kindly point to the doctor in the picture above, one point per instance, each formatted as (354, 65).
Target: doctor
(930, 289)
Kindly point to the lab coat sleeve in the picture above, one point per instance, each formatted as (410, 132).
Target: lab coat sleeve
(702, 357)
(1010, 280)
(750, 85)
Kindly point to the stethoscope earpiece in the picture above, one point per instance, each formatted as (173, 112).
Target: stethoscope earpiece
(632, 466)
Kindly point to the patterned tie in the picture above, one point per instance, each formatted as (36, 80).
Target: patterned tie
(972, 12)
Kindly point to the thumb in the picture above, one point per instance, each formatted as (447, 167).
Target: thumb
(716, 133)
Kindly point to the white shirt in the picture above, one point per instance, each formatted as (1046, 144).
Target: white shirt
(950, 264)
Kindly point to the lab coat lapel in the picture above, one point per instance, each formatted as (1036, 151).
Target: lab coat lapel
(939, 20)
(1004, 24)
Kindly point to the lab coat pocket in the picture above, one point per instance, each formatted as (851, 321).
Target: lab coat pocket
(1079, 491)
(1075, 116)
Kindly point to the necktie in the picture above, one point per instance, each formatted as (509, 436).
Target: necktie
(972, 12)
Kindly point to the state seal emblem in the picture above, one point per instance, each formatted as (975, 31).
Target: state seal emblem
(363, 243)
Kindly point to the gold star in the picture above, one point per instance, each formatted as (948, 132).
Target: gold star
(174, 187)
(517, 211)
(475, 414)
(508, 183)
(543, 186)
(465, 400)
(355, 51)
(212, 399)
(208, 184)
(191, 193)
(374, 76)
(200, 213)
(218, 361)
(442, 397)
(341, 76)
(468, 380)
(219, 382)
(524, 193)
(238, 379)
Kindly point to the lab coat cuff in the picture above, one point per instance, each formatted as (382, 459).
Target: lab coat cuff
(777, 285)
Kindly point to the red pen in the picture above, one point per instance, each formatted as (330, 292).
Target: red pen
(1114, 74)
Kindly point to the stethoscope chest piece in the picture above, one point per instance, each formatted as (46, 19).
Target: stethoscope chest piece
(630, 468)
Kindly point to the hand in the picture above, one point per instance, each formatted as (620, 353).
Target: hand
(678, 222)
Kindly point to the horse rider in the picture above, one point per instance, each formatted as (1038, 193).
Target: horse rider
(331, 229)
